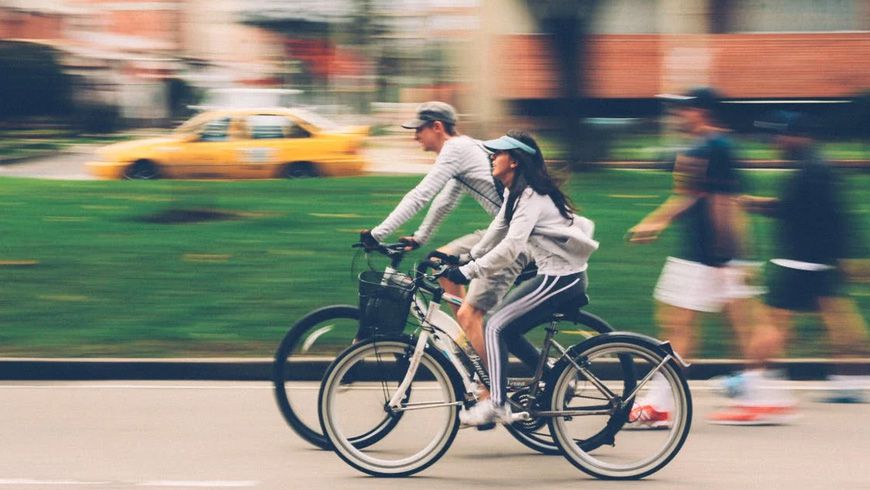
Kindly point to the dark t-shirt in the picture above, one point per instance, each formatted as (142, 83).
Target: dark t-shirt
(812, 218)
(707, 169)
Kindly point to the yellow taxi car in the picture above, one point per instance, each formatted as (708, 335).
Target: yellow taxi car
(240, 144)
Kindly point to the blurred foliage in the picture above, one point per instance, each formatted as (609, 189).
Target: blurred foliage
(181, 96)
(33, 82)
(97, 118)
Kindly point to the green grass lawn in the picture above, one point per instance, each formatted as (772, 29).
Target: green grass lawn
(87, 269)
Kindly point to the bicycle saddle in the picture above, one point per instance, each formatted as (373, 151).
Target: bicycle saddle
(569, 310)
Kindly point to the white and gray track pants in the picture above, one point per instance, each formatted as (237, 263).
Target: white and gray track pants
(528, 305)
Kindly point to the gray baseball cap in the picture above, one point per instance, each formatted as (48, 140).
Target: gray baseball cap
(432, 111)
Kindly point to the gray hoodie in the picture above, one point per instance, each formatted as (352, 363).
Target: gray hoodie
(558, 246)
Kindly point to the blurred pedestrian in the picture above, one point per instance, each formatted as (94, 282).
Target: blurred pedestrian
(703, 276)
(461, 167)
(813, 238)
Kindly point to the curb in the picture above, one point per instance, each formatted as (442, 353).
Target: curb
(37, 156)
(68, 150)
(744, 164)
(260, 369)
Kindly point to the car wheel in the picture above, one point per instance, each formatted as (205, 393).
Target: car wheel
(141, 170)
(302, 170)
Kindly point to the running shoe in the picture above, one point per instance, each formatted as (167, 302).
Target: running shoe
(485, 413)
(755, 415)
(844, 396)
(730, 385)
(646, 417)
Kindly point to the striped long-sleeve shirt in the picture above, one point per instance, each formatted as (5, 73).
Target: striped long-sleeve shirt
(461, 167)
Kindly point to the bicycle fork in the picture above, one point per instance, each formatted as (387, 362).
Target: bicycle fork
(395, 404)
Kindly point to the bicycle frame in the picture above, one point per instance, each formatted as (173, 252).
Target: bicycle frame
(434, 327)
(439, 328)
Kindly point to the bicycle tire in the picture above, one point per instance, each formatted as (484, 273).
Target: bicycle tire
(296, 336)
(536, 436)
(383, 349)
(604, 465)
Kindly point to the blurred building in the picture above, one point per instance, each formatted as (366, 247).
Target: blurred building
(126, 53)
(490, 58)
(634, 49)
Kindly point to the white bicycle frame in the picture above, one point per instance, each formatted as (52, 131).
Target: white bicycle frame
(435, 323)
(432, 325)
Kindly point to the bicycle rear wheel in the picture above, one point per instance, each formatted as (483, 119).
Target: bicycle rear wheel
(535, 433)
(354, 400)
(593, 388)
(300, 361)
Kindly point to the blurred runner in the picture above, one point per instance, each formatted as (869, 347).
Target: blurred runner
(814, 238)
(703, 277)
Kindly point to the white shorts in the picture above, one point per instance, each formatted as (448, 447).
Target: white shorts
(698, 287)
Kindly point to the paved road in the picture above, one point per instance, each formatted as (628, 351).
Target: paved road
(66, 166)
(394, 156)
(201, 434)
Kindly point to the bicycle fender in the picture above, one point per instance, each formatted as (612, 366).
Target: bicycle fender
(663, 345)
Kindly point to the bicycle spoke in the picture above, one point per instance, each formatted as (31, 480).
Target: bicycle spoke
(597, 438)
(420, 426)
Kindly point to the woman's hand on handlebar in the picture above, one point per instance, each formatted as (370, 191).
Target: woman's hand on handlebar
(448, 266)
(454, 275)
(448, 259)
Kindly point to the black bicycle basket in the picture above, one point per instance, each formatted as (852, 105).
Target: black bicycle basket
(384, 302)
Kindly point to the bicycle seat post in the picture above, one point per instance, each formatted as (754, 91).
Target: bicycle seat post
(553, 328)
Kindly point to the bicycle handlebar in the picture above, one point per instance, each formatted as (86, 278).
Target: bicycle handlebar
(388, 249)
(443, 257)
(396, 251)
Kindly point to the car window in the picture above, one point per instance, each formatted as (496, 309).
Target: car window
(215, 130)
(317, 120)
(268, 126)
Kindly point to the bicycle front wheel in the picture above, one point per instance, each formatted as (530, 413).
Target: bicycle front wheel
(354, 400)
(303, 356)
(593, 393)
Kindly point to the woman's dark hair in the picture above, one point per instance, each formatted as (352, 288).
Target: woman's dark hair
(531, 172)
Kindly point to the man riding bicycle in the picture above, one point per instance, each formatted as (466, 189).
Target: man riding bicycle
(461, 167)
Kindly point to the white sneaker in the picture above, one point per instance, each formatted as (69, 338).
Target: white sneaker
(485, 412)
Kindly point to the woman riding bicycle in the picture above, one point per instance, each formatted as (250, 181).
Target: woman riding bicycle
(536, 216)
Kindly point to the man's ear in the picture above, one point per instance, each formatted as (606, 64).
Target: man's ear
(438, 126)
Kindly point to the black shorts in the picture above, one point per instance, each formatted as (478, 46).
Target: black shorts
(798, 289)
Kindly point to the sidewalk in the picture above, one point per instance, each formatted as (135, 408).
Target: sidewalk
(260, 369)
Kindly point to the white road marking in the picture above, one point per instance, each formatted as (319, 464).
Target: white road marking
(250, 386)
(198, 484)
(17, 482)
(30, 481)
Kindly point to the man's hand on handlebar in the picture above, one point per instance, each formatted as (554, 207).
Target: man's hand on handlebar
(368, 241)
(410, 243)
